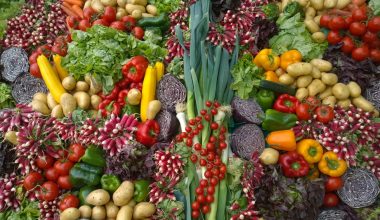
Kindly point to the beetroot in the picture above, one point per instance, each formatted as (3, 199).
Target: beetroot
(246, 110)
(247, 139)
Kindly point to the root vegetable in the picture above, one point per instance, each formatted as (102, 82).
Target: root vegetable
(279, 72)
(317, 4)
(311, 26)
(98, 197)
(330, 4)
(318, 37)
(329, 79)
(316, 73)
(40, 107)
(50, 101)
(342, 4)
(108, 2)
(98, 213)
(69, 83)
(11, 136)
(87, 4)
(344, 103)
(95, 86)
(153, 108)
(125, 213)
(121, 12)
(340, 91)
(304, 81)
(299, 69)
(143, 210)
(70, 214)
(131, 7)
(136, 14)
(68, 103)
(83, 100)
(269, 156)
(330, 100)
(121, 3)
(139, 2)
(317, 19)
(95, 101)
(57, 112)
(322, 65)
(134, 97)
(111, 210)
(363, 103)
(40, 97)
(132, 203)
(146, 15)
(123, 194)
(151, 9)
(355, 89)
(326, 93)
(315, 87)
(303, 3)
(82, 86)
(97, 6)
(376, 113)
(286, 79)
(310, 13)
(302, 93)
(85, 211)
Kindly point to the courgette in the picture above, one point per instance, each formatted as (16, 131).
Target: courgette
(276, 87)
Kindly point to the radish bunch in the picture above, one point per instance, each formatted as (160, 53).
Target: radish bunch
(8, 197)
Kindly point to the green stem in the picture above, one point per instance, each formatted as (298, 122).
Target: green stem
(223, 190)
(190, 105)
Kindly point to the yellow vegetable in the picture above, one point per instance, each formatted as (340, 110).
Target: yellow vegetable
(160, 69)
(51, 78)
(148, 90)
(62, 72)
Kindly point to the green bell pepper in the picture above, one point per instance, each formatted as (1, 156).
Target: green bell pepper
(110, 182)
(85, 174)
(275, 120)
(265, 98)
(141, 190)
(83, 193)
(94, 156)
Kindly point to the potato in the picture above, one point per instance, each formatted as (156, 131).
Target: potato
(317, 19)
(304, 81)
(139, 2)
(82, 86)
(97, 6)
(355, 89)
(132, 203)
(315, 87)
(330, 4)
(279, 72)
(95, 101)
(376, 113)
(322, 65)
(151, 9)
(98, 197)
(147, 15)
(327, 92)
(134, 97)
(121, 12)
(269, 156)
(143, 210)
(136, 14)
(310, 13)
(40, 97)
(286, 79)
(330, 100)
(311, 26)
(329, 79)
(154, 107)
(121, 3)
(125, 213)
(69, 83)
(87, 4)
(342, 4)
(57, 112)
(363, 103)
(318, 37)
(40, 107)
(344, 103)
(111, 209)
(85, 211)
(108, 2)
(302, 93)
(299, 69)
(340, 91)
(123, 194)
(11, 136)
(68, 103)
(83, 100)
(303, 3)
(50, 101)
(98, 213)
(317, 4)
(131, 7)
(70, 214)
(315, 73)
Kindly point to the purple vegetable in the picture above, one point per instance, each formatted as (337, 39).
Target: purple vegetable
(246, 110)
(149, 164)
(170, 91)
(247, 139)
(169, 125)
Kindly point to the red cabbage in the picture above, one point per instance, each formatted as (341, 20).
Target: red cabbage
(169, 125)
(246, 110)
(247, 139)
(170, 91)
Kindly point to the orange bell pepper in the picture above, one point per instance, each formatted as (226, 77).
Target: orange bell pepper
(282, 140)
(290, 57)
(271, 76)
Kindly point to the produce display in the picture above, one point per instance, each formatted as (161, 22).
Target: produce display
(189, 109)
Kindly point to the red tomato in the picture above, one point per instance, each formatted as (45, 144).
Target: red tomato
(303, 111)
(357, 28)
(101, 22)
(375, 55)
(69, 201)
(109, 14)
(360, 53)
(49, 191)
(324, 113)
(325, 20)
(72, 22)
(64, 182)
(348, 45)
(63, 167)
(32, 180)
(359, 14)
(333, 37)
(35, 70)
(76, 151)
(374, 24)
(313, 101)
(348, 21)
(62, 153)
(129, 22)
(33, 57)
(138, 32)
(333, 184)
(51, 174)
(369, 37)
(44, 162)
(118, 25)
(59, 49)
(88, 13)
(44, 49)
(84, 24)
(375, 44)
(330, 200)
(337, 23)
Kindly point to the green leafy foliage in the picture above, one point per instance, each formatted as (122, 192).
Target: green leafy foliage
(176, 68)
(28, 211)
(271, 11)
(166, 6)
(8, 9)
(6, 99)
(375, 6)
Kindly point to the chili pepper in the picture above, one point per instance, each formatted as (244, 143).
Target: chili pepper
(94, 156)
(271, 76)
(114, 93)
(293, 164)
(134, 70)
(141, 190)
(290, 57)
(275, 120)
(123, 83)
(101, 95)
(85, 174)
(265, 98)
(110, 182)
(136, 86)
(286, 103)
(116, 108)
(121, 98)
(83, 193)
(282, 140)
(267, 60)
(332, 165)
(310, 149)
(147, 132)
(104, 104)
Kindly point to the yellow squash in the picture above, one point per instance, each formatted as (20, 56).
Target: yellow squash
(160, 69)
(148, 91)
(51, 78)
(62, 72)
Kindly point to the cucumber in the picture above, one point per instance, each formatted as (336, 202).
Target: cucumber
(277, 87)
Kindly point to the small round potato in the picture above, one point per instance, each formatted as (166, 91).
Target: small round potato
(85, 211)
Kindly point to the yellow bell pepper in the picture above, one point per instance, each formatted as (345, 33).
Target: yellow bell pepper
(148, 91)
(332, 165)
(160, 69)
(267, 60)
(271, 76)
(62, 72)
(290, 57)
(313, 172)
(310, 149)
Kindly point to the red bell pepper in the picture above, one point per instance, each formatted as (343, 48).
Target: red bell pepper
(286, 103)
(134, 70)
(293, 164)
(147, 132)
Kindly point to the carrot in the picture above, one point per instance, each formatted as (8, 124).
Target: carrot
(67, 5)
(74, 2)
(68, 11)
(77, 10)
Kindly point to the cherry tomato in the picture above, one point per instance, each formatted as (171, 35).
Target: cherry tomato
(303, 111)
(206, 209)
(337, 23)
(359, 14)
(375, 55)
(63, 167)
(333, 184)
(76, 151)
(89, 13)
(324, 113)
(138, 32)
(44, 162)
(51, 174)
(375, 44)
(35, 70)
(84, 24)
(195, 214)
(357, 28)
(61, 40)
(333, 37)
(64, 182)
(59, 49)
(32, 180)
(330, 200)
(49, 191)
(348, 45)
(69, 201)
(369, 37)
(325, 20)
(313, 101)
(45, 50)
(129, 22)
(72, 22)
(348, 21)
(33, 57)
(101, 22)
(109, 14)
(374, 24)
(62, 153)
(360, 53)
(118, 25)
